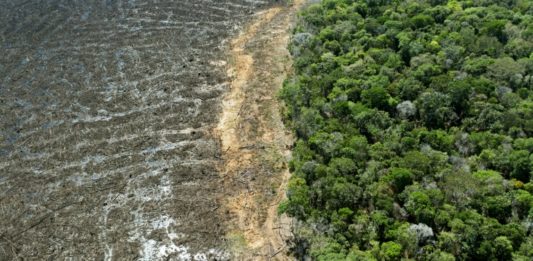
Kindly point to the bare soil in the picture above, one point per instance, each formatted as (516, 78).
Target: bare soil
(254, 143)
(106, 117)
(111, 144)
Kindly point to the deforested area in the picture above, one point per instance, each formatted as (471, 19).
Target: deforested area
(414, 124)
(254, 141)
(107, 111)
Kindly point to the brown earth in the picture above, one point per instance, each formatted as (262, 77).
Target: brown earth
(107, 110)
(107, 149)
(254, 141)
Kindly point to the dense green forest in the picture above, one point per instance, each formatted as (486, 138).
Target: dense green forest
(414, 124)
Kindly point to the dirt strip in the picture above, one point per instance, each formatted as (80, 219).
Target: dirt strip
(254, 140)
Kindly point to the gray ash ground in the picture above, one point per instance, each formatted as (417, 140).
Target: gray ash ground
(106, 112)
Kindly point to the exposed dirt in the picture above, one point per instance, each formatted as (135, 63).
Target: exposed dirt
(254, 141)
(106, 117)
(107, 148)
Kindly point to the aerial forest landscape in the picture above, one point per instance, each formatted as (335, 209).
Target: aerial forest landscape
(266, 130)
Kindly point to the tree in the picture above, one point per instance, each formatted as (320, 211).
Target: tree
(422, 232)
(521, 165)
(417, 162)
(504, 68)
(298, 194)
(376, 97)
(391, 250)
(406, 109)
(497, 207)
(500, 249)
(496, 28)
(421, 21)
(434, 109)
(419, 206)
(449, 242)
(399, 178)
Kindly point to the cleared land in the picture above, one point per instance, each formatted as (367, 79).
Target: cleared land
(106, 144)
(254, 142)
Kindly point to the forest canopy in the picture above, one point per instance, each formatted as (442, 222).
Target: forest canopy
(414, 123)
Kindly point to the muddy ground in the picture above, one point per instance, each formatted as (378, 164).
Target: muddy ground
(107, 111)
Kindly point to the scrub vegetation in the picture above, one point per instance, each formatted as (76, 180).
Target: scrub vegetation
(413, 122)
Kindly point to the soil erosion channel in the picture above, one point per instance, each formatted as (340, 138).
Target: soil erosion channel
(254, 141)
